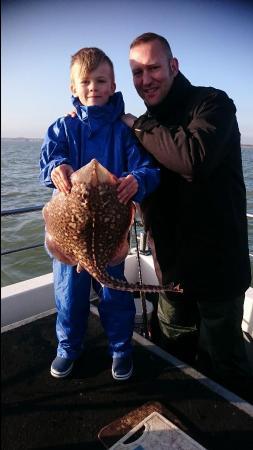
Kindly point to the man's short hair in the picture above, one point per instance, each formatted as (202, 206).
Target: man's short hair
(88, 59)
(148, 37)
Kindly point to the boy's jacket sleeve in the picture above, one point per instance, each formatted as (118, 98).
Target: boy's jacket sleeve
(54, 151)
(143, 167)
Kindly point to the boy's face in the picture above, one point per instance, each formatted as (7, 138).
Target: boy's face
(93, 88)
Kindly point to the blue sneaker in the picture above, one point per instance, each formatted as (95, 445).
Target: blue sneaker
(61, 367)
(122, 368)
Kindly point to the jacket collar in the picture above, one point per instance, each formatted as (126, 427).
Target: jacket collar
(96, 116)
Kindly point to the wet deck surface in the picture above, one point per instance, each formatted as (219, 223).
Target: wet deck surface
(41, 412)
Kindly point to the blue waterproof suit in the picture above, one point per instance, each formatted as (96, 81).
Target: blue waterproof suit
(96, 132)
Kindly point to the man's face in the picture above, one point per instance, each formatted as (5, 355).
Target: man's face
(153, 71)
(94, 88)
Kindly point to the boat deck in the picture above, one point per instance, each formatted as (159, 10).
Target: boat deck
(41, 412)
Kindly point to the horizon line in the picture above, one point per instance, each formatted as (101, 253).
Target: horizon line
(41, 138)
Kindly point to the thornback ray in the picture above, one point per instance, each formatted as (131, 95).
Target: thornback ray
(89, 227)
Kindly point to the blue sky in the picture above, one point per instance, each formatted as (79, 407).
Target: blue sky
(212, 40)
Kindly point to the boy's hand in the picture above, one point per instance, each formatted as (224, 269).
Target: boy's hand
(128, 186)
(128, 119)
(60, 176)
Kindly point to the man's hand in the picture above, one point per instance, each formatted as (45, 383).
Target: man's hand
(71, 114)
(60, 176)
(128, 186)
(128, 119)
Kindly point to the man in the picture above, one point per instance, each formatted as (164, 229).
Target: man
(197, 217)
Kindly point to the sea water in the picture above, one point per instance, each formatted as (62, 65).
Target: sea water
(21, 188)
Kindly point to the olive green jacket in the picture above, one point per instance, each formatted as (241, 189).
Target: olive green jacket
(198, 214)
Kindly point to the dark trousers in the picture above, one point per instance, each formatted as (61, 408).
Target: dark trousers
(194, 329)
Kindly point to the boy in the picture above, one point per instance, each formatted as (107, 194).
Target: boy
(71, 142)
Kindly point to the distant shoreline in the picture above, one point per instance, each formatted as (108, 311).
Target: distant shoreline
(41, 139)
(22, 139)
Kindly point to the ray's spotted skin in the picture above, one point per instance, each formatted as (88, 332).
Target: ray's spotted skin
(89, 227)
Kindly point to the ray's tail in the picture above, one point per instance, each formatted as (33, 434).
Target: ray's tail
(122, 285)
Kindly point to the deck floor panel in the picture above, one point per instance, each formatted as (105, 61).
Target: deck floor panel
(41, 412)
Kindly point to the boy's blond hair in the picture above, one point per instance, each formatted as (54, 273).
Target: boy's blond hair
(88, 59)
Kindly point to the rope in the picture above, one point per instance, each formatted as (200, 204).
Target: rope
(145, 332)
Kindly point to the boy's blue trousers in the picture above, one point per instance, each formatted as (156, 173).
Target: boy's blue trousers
(72, 297)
